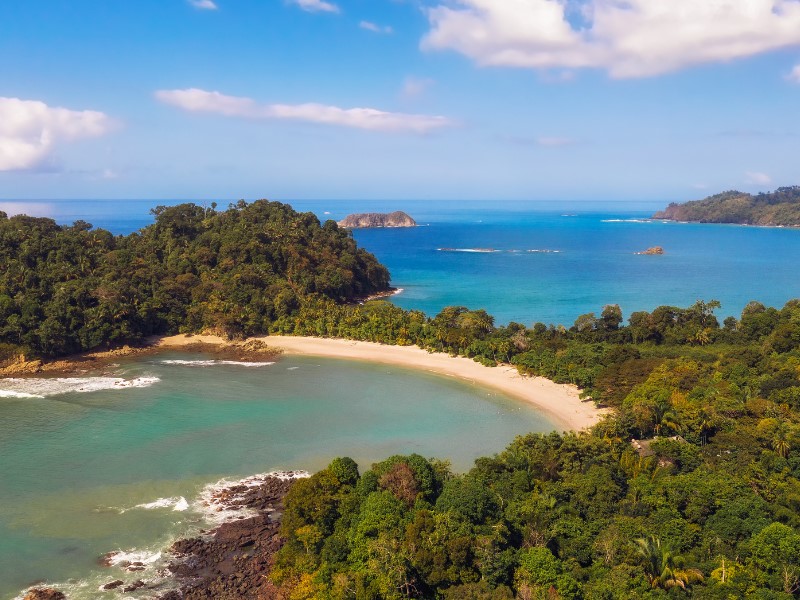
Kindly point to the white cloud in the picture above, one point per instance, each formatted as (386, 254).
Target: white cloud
(30, 130)
(196, 100)
(316, 6)
(369, 26)
(794, 75)
(630, 38)
(414, 87)
(756, 178)
(204, 4)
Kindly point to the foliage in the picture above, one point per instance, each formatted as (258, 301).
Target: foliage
(781, 207)
(67, 289)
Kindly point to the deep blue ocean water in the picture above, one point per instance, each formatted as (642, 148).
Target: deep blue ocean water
(552, 261)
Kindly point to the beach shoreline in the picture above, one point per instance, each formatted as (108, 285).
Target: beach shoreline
(560, 402)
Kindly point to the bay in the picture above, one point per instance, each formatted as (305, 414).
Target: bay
(120, 468)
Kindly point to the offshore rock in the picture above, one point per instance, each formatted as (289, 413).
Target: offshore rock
(655, 250)
(364, 220)
(44, 594)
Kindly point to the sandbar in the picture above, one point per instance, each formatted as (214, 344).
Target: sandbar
(560, 402)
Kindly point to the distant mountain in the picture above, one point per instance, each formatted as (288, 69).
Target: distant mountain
(778, 208)
(363, 220)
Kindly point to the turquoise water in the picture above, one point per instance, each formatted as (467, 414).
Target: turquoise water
(76, 465)
(592, 263)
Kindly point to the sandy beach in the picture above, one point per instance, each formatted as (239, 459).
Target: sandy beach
(560, 402)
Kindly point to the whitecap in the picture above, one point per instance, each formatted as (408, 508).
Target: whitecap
(13, 394)
(220, 503)
(178, 503)
(475, 250)
(543, 251)
(123, 558)
(42, 387)
(627, 221)
(213, 363)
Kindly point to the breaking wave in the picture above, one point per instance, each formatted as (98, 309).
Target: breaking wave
(213, 363)
(43, 387)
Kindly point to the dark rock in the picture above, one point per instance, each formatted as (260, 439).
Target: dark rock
(44, 594)
(235, 560)
(364, 220)
(136, 585)
(112, 585)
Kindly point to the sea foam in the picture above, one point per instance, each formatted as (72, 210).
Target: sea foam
(42, 387)
(177, 503)
(221, 502)
(213, 363)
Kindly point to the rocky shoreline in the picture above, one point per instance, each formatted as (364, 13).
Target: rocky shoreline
(250, 350)
(230, 561)
(235, 559)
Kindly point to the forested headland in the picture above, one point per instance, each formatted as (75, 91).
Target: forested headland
(780, 208)
(238, 272)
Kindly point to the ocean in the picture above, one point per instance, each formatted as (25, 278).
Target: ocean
(120, 460)
(550, 262)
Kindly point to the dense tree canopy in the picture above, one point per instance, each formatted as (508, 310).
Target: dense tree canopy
(781, 207)
(706, 504)
(74, 288)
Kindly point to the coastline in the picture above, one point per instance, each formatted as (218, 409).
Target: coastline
(560, 402)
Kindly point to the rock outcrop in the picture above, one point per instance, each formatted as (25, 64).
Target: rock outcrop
(363, 220)
(652, 251)
(44, 594)
(236, 559)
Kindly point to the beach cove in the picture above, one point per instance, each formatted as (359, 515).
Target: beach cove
(118, 453)
(560, 402)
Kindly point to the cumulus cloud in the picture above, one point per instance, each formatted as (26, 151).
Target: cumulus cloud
(30, 130)
(413, 87)
(756, 178)
(196, 100)
(628, 38)
(204, 4)
(794, 75)
(375, 28)
(316, 6)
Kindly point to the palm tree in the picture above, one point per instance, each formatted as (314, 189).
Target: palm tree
(664, 416)
(662, 567)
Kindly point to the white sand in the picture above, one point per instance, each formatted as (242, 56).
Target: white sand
(560, 402)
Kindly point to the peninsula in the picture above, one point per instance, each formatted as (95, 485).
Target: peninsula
(368, 220)
(780, 208)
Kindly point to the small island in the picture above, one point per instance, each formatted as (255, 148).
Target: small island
(780, 208)
(654, 251)
(368, 220)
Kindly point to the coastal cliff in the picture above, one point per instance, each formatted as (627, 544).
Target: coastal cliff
(780, 208)
(365, 220)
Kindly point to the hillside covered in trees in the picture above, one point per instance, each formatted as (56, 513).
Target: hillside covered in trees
(67, 289)
(706, 504)
(778, 208)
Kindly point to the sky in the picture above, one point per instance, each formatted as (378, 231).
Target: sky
(398, 99)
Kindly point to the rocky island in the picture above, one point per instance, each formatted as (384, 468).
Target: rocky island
(366, 220)
(654, 251)
(780, 208)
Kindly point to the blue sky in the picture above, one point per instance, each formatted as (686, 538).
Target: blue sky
(362, 99)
